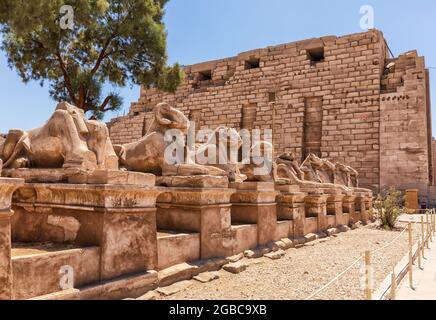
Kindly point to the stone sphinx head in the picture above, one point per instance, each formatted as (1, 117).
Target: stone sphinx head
(167, 117)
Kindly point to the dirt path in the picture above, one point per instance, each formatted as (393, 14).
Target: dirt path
(302, 271)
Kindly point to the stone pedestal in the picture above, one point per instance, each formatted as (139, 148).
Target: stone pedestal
(348, 207)
(120, 219)
(290, 206)
(7, 187)
(254, 203)
(360, 209)
(316, 207)
(198, 204)
(334, 210)
(368, 206)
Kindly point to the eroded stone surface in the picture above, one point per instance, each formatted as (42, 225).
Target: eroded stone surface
(236, 267)
(207, 277)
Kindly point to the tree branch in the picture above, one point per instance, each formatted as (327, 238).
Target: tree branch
(66, 77)
(102, 54)
(102, 107)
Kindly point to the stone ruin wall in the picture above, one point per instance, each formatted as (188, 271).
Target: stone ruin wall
(330, 97)
(405, 125)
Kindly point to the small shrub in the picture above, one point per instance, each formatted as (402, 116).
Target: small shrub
(388, 207)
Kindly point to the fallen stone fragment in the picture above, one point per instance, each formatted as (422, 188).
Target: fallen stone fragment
(174, 288)
(288, 243)
(324, 240)
(235, 267)
(343, 228)
(264, 250)
(252, 254)
(332, 231)
(179, 272)
(310, 237)
(207, 277)
(299, 240)
(235, 258)
(218, 263)
(356, 225)
(204, 266)
(321, 235)
(280, 244)
(275, 255)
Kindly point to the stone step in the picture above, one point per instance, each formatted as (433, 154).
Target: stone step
(245, 237)
(41, 269)
(174, 247)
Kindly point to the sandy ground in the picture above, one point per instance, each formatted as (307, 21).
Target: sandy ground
(303, 271)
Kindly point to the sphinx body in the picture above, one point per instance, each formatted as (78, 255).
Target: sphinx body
(148, 153)
(348, 176)
(229, 150)
(66, 140)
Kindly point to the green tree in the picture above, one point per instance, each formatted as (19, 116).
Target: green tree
(104, 41)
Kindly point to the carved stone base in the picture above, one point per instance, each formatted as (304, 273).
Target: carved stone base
(316, 207)
(254, 203)
(118, 219)
(202, 210)
(193, 181)
(290, 206)
(78, 176)
(7, 187)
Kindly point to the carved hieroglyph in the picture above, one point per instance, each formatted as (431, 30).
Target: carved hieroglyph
(66, 140)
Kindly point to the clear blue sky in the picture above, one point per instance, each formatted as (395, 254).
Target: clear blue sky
(201, 30)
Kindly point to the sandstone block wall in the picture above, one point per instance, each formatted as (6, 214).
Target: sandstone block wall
(323, 95)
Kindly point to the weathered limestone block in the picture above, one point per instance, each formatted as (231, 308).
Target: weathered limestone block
(120, 219)
(254, 203)
(334, 209)
(348, 208)
(236, 267)
(290, 206)
(316, 207)
(7, 187)
(360, 208)
(205, 210)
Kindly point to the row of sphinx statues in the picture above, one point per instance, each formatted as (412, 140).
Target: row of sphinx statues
(69, 140)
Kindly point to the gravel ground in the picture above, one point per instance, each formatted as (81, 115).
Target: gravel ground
(303, 271)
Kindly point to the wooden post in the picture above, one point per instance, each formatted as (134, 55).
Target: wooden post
(422, 236)
(410, 257)
(393, 285)
(434, 220)
(368, 291)
(419, 254)
(427, 237)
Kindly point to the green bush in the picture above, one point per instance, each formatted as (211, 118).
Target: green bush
(388, 206)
